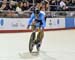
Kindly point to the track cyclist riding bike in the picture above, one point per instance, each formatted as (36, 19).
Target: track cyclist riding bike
(37, 22)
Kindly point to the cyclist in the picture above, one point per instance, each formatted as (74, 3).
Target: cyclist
(37, 19)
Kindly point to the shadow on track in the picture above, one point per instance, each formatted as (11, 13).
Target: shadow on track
(42, 55)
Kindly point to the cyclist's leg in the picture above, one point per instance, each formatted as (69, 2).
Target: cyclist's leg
(40, 35)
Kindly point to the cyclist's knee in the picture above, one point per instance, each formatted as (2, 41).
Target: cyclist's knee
(33, 27)
(41, 34)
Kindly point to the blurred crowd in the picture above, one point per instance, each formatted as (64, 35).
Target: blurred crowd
(62, 5)
(26, 5)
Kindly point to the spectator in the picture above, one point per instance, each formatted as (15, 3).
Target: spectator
(4, 5)
(53, 5)
(63, 5)
(58, 5)
(19, 7)
(25, 7)
(38, 5)
(12, 6)
(72, 4)
(45, 4)
(44, 7)
(28, 5)
(57, 2)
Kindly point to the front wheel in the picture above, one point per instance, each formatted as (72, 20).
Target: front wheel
(31, 42)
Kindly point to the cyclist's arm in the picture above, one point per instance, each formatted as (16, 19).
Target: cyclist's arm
(31, 19)
(43, 21)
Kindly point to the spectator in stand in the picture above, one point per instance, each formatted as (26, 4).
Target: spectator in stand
(58, 5)
(44, 7)
(11, 9)
(57, 2)
(37, 6)
(19, 7)
(4, 5)
(63, 5)
(53, 7)
(28, 5)
(45, 4)
(72, 4)
(25, 6)
(12, 6)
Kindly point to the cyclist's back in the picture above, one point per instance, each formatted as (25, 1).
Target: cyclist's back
(40, 17)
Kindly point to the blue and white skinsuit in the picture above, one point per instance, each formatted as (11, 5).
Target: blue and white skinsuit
(41, 17)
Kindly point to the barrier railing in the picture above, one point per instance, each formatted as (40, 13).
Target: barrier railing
(26, 14)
